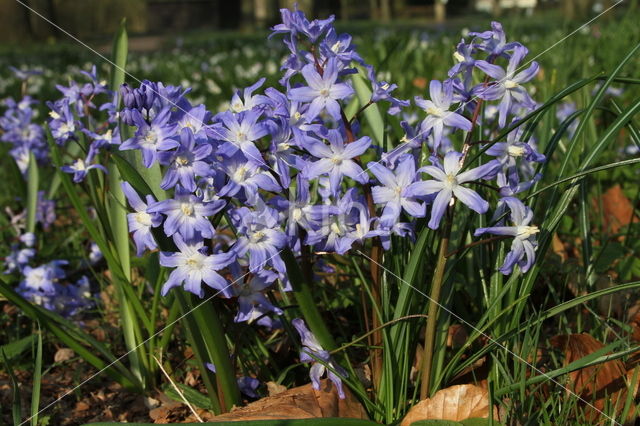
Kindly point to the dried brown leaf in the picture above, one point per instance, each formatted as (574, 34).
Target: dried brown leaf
(455, 403)
(596, 384)
(63, 354)
(419, 82)
(558, 247)
(617, 209)
(274, 388)
(457, 336)
(299, 403)
(82, 406)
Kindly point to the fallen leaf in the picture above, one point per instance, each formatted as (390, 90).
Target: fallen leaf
(420, 82)
(453, 403)
(302, 402)
(634, 321)
(558, 247)
(457, 336)
(82, 406)
(596, 384)
(617, 209)
(274, 388)
(63, 354)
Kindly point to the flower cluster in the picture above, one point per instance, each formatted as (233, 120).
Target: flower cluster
(283, 167)
(47, 284)
(72, 119)
(17, 128)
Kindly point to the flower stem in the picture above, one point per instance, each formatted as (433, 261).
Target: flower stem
(434, 305)
(438, 275)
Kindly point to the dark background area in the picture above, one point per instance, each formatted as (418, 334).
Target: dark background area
(97, 19)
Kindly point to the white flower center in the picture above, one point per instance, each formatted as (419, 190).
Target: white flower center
(515, 151)
(525, 232)
(336, 159)
(237, 107)
(451, 181)
(195, 262)
(257, 236)
(458, 56)
(143, 218)
(385, 86)
(324, 92)
(438, 112)
(54, 115)
(241, 136)
(67, 128)
(240, 174)
(297, 214)
(283, 146)
(335, 47)
(335, 228)
(182, 161)
(187, 209)
(79, 165)
(510, 84)
(150, 138)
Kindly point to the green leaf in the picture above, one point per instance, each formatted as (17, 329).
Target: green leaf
(32, 192)
(37, 382)
(73, 338)
(16, 409)
(308, 307)
(190, 394)
(120, 51)
(14, 349)
(372, 112)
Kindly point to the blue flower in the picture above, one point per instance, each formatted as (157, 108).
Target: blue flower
(260, 236)
(141, 222)
(507, 86)
(246, 100)
(336, 159)
(322, 91)
(42, 278)
(18, 258)
(193, 267)
(343, 225)
(79, 169)
(246, 176)
(448, 184)
(241, 131)
(494, 41)
(516, 157)
(524, 242)
(251, 298)
(382, 92)
(294, 23)
(311, 352)
(185, 163)
(159, 135)
(438, 114)
(393, 193)
(63, 124)
(187, 215)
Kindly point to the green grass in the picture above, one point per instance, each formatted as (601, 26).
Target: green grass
(509, 319)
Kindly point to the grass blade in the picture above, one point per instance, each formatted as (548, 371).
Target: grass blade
(32, 192)
(37, 381)
(16, 409)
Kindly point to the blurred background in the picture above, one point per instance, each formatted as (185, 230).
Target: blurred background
(96, 19)
(214, 47)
